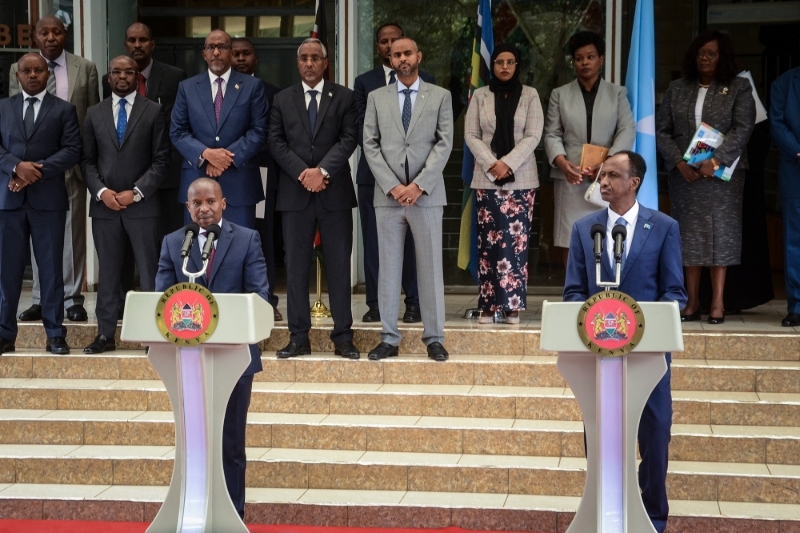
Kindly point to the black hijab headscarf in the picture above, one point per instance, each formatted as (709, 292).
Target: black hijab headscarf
(506, 99)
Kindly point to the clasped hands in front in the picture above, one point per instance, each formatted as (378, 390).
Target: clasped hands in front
(26, 173)
(313, 179)
(217, 161)
(573, 173)
(117, 201)
(499, 170)
(407, 195)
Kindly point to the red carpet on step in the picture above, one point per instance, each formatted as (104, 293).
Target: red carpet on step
(73, 526)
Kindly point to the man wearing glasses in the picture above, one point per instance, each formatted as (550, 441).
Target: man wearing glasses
(219, 124)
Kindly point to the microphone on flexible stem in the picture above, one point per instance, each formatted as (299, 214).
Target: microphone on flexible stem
(212, 232)
(191, 230)
(618, 233)
(598, 236)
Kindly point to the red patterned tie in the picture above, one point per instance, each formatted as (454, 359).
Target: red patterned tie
(142, 88)
(218, 100)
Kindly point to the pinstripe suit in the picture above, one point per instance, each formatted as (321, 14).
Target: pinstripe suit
(425, 148)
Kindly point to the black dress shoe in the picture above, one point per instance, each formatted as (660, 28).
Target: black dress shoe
(716, 319)
(792, 320)
(293, 350)
(57, 346)
(31, 314)
(437, 352)
(77, 313)
(6, 345)
(276, 315)
(373, 315)
(347, 350)
(101, 344)
(693, 317)
(382, 351)
(412, 314)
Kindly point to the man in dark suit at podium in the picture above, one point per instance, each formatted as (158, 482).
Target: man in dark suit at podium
(652, 271)
(235, 266)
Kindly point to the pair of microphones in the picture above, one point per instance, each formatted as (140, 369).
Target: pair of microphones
(618, 234)
(191, 231)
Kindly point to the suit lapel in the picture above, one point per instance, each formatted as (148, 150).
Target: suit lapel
(232, 92)
(324, 104)
(136, 113)
(16, 106)
(708, 103)
(223, 244)
(576, 100)
(391, 96)
(203, 88)
(379, 78)
(154, 81)
(643, 227)
(300, 103)
(419, 105)
(108, 119)
(72, 74)
(47, 103)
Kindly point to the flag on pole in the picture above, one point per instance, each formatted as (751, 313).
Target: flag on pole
(482, 49)
(641, 84)
(320, 32)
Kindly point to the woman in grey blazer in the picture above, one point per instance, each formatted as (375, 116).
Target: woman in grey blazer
(588, 110)
(708, 209)
(503, 126)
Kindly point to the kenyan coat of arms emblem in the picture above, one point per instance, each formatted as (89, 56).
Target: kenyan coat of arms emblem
(187, 314)
(611, 323)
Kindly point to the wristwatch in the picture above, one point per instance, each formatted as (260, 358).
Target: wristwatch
(715, 163)
(137, 196)
(324, 173)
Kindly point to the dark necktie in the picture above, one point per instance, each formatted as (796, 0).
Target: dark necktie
(122, 120)
(621, 222)
(392, 77)
(406, 109)
(218, 100)
(30, 117)
(51, 80)
(312, 109)
(142, 87)
(210, 256)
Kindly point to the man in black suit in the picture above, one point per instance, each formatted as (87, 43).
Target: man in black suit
(365, 84)
(245, 61)
(312, 135)
(125, 159)
(39, 141)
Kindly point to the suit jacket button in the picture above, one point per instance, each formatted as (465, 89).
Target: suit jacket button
(119, 156)
(217, 138)
(402, 164)
(312, 146)
(407, 145)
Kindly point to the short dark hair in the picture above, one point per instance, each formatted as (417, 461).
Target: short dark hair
(241, 40)
(388, 25)
(585, 38)
(145, 26)
(637, 168)
(727, 65)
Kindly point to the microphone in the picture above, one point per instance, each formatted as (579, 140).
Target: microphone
(618, 233)
(598, 236)
(191, 229)
(211, 235)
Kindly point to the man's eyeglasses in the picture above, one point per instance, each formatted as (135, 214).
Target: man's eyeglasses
(220, 47)
(501, 62)
(129, 73)
(314, 59)
(28, 71)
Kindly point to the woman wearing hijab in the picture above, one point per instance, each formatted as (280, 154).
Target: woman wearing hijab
(588, 110)
(503, 126)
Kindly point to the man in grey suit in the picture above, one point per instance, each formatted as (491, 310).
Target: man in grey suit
(408, 136)
(125, 159)
(73, 79)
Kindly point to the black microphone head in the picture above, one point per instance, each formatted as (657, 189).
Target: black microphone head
(213, 229)
(619, 229)
(193, 227)
(598, 228)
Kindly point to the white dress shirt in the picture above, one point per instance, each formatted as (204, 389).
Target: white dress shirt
(630, 225)
(318, 87)
(201, 239)
(402, 97)
(37, 105)
(213, 77)
(61, 75)
(387, 73)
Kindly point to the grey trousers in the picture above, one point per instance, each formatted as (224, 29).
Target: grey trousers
(425, 224)
(74, 245)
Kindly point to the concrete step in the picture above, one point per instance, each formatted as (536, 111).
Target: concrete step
(470, 401)
(474, 436)
(372, 509)
(466, 369)
(391, 471)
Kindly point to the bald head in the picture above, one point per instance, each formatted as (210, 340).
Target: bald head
(50, 35)
(205, 202)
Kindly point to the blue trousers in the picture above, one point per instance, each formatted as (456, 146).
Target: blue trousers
(791, 243)
(234, 429)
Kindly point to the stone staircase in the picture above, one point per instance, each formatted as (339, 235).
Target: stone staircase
(481, 442)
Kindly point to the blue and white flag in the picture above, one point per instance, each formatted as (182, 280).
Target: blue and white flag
(641, 85)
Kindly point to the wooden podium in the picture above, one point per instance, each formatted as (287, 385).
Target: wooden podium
(199, 380)
(612, 393)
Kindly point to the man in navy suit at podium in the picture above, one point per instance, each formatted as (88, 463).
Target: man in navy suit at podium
(652, 271)
(237, 266)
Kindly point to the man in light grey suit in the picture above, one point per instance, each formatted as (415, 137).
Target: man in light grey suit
(73, 79)
(408, 136)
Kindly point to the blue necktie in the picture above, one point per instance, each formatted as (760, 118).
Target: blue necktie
(122, 120)
(621, 222)
(406, 109)
(392, 77)
(312, 109)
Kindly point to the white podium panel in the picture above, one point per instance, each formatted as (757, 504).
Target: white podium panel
(199, 380)
(612, 393)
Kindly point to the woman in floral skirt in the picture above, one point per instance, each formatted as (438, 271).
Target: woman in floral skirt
(503, 126)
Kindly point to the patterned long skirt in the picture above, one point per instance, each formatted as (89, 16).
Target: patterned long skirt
(504, 226)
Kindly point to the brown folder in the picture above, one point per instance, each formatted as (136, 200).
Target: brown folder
(592, 155)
